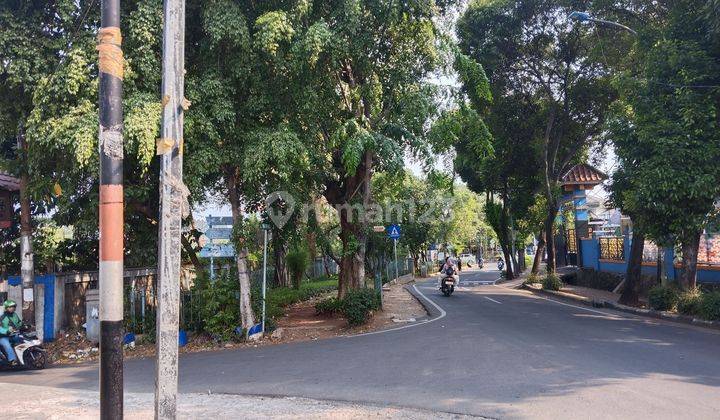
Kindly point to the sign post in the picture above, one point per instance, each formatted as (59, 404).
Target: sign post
(393, 232)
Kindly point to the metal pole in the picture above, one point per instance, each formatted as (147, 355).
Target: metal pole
(110, 64)
(396, 263)
(264, 278)
(173, 196)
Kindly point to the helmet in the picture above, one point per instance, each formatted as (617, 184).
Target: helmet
(9, 303)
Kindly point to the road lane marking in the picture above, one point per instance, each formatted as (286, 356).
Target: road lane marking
(492, 300)
(528, 293)
(427, 321)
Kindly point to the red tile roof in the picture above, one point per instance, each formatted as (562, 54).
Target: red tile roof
(583, 174)
(9, 182)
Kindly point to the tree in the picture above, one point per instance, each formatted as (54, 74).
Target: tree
(494, 139)
(238, 144)
(420, 206)
(53, 75)
(665, 130)
(532, 52)
(354, 75)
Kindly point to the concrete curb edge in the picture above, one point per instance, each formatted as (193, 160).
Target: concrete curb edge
(432, 311)
(648, 313)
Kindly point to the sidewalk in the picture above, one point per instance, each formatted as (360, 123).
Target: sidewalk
(604, 299)
(36, 402)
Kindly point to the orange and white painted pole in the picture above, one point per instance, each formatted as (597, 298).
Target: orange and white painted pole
(111, 63)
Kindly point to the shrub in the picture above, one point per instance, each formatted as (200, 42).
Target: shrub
(587, 277)
(710, 306)
(217, 305)
(533, 278)
(689, 302)
(551, 282)
(357, 305)
(328, 306)
(663, 298)
(297, 263)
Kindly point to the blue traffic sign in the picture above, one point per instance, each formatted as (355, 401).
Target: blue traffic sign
(393, 232)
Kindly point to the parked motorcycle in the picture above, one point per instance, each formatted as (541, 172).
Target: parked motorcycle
(29, 351)
(447, 284)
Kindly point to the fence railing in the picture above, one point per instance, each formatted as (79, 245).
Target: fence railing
(612, 248)
(709, 250)
(650, 252)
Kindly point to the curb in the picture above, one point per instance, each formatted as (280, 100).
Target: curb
(647, 313)
(432, 311)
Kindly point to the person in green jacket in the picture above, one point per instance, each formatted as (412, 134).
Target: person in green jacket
(10, 323)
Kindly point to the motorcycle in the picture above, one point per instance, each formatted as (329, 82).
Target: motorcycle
(447, 284)
(29, 351)
(501, 265)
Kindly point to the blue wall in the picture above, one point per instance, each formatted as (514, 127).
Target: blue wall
(591, 259)
(48, 303)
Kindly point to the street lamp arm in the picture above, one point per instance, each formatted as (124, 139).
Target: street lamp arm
(615, 24)
(586, 17)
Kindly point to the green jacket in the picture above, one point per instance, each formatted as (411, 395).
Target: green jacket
(8, 320)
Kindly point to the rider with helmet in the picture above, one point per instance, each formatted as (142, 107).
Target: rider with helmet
(10, 323)
(448, 267)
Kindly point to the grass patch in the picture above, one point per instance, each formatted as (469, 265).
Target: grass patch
(280, 297)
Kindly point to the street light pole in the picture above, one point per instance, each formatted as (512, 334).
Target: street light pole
(110, 65)
(265, 228)
(396, 261)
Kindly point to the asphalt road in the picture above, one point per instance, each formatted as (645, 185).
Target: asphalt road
(491, 351)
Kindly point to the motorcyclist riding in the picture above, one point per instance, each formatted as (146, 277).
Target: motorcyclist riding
(10, 323)
(449, 264)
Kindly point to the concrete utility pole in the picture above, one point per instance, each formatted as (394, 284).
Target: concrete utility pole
(111, 62)
(27, 267)
(173, 207)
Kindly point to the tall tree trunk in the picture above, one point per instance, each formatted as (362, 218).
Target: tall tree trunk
(247, 317)
(690, 248)
(281, 277)
(27, 264)
(521, 260)
(507, 254)
(630, 294)
(539, 254)
(353, 232)
(352, 261)
(549, 239)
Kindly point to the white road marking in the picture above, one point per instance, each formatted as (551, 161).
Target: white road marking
(608, 314)
(492, 300)
(427, 321)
